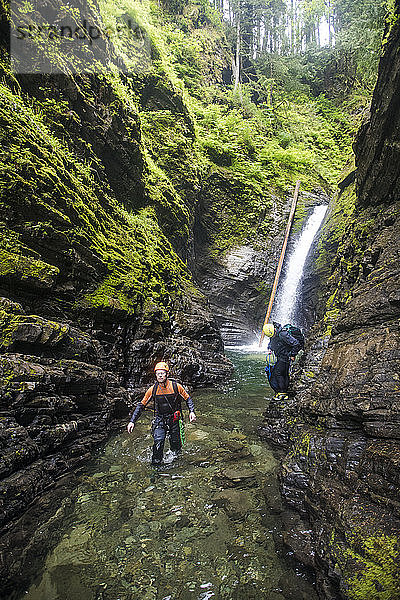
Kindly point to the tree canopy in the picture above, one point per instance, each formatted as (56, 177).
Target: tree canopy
(333, 41)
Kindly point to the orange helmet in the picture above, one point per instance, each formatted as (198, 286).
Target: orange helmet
(161, 366)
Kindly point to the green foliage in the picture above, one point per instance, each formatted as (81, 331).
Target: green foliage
(261, 143)
(302, 139)
(264, 141)
(16, 266)
(191, 132)
(43, 179)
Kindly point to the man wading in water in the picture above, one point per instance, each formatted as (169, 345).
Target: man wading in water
(167, 395)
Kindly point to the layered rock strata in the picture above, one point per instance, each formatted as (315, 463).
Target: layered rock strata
(92, 291)
(341, 429)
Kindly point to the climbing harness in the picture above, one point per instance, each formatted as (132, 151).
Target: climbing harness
(270, 360)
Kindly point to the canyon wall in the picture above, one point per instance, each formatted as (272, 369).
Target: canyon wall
(94, 282)
(341, 428)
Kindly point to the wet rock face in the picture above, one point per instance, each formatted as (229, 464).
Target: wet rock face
(233, 288)
(77, 341)
(377, 147)
(238, 283)
(341, 429)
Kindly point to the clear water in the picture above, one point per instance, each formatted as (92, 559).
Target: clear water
(205, 526)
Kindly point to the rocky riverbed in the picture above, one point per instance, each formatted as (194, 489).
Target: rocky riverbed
(208, 525)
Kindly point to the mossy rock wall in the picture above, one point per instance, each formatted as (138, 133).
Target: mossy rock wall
(341, 429)
(94, 282)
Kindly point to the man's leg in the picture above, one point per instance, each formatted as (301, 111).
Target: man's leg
(175, 437)
(159, 434)
(280, 377)
(272, 380)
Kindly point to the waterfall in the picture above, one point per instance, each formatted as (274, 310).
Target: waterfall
(284, 311)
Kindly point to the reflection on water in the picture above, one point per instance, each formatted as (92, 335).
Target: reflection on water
(204, 526)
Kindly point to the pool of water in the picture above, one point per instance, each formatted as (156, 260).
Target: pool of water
(206, 525)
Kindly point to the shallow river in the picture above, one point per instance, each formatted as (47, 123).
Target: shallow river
(206, 525)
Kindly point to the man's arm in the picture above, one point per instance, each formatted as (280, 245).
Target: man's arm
(189, 402)
(139, 409)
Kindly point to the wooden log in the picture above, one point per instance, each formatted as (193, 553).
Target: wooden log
(281, 258)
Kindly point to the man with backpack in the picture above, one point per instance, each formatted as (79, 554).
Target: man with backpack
(285, 342)
(167, 395)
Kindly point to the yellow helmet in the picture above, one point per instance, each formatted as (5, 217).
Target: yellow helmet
(161, 366)
(269, 329)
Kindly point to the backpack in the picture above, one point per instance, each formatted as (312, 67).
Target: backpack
(296, 333)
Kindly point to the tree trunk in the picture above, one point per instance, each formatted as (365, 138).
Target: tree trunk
(292, 26)
(329, 7)
(236, 63)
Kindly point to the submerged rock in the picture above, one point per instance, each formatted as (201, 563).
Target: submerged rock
(237, 477)
(235, 503)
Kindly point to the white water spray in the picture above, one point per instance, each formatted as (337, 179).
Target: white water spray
(283, 313)
(288, 292)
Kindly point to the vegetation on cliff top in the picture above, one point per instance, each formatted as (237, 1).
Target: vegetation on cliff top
(185, 128)
(275, 128)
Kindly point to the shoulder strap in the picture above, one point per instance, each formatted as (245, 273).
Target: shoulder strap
(176, 391)
(175, 386)
(153, 395)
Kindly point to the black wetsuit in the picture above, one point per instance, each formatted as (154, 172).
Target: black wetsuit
(285, 346)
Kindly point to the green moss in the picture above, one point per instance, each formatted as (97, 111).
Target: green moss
(7, 374)
(145, 269)
(264, 290)
(174, 215)
(108, 296)
(369, 565)
(26, 269)
(342, 246)
(155, 312)
(169, 143)
(62, 193)
(339, 217)
(300, 445)
(299, 215)
(30, 328)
